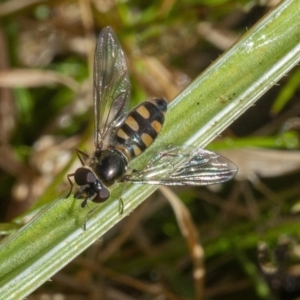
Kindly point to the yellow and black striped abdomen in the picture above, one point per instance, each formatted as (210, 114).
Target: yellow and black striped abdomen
(141, 127)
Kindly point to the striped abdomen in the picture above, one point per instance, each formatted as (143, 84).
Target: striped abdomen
(141, 127)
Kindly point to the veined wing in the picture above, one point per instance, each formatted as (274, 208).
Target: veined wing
(111, 86)
(185, 166)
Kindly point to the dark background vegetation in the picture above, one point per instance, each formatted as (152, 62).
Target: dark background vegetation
(46, 55)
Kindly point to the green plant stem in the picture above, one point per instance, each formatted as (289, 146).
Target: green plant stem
(202, 111)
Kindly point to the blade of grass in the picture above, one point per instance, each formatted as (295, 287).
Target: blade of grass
(233, 83)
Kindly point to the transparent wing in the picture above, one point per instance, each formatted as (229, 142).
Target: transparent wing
(111, 85)
(185, 166)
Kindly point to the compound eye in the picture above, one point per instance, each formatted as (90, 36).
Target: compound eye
(102, 195)
(84, 176)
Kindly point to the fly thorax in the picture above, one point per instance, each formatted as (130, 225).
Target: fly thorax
(109, 166)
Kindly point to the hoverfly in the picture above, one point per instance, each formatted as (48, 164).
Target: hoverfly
(120, 136)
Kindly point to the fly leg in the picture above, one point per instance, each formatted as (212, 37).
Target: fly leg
(87, 217)
(71, 183)
(82, 156)
(121, 205)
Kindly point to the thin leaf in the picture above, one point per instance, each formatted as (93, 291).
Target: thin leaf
(35, 78)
